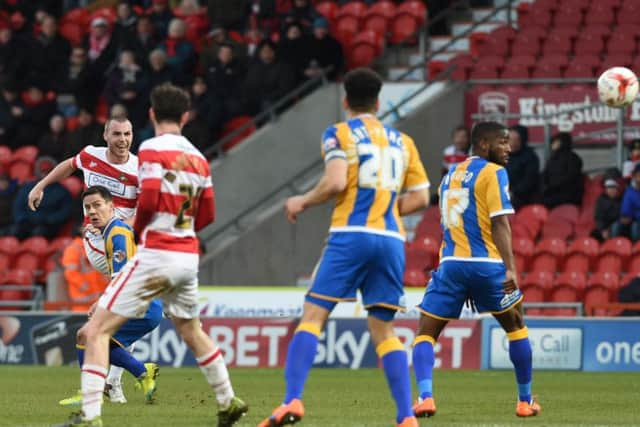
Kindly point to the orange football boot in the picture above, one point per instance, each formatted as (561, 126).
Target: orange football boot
(409, 422)
(285, 414)
(526, 409)
(426, 408)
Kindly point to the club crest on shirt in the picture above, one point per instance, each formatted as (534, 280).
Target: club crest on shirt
(119, 256)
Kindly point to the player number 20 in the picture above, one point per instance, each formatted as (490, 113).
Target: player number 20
(383, 169)
(453, 204)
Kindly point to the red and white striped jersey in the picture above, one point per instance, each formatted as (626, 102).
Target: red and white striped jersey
(176, 194)
(120, 179)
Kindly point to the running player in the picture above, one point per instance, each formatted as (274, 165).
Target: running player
(113, 167)
(119, 248)
(476, 261)
(367, 165)
(176, 200)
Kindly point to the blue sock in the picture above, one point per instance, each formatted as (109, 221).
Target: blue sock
(396, 369)
(80, 353)
(120, 357)
(520, 355)
(302, 351)
(423, 362)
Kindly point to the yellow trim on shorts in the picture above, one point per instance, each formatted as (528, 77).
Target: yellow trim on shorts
(389, 345)
(117, 342)
(332, 299)
(426, 313)
(424, 338)
(508, 308)
(309, 327)
(520, 334)
(389, 306)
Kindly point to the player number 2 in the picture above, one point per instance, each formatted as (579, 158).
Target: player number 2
(453, 204)
(382, 169)
(184, 219)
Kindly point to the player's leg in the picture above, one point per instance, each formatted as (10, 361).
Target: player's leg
(394, 362)
(442, 302)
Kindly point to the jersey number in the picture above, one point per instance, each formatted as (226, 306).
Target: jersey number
(184, 218)
(382, 169)
(453, 204)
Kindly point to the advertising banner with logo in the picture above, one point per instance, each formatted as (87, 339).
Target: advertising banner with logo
(581, 344)
(542, 100)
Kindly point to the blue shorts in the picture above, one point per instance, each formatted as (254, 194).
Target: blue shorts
(455, 281)
(134, 329)
(352, 261)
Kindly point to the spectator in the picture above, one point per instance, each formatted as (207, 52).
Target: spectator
(562, 180)
(124, 30)
(11, 112)
(101, 48)
(325, 52)
(224, 79)
(198, 128)
(160, 16)
(53, 211)
(263, 14)
(52, 143)
(160, 71)
(630, 293)
(34, 121)
(48, 53)
(294, 49)
(8, 190)
(523, 168)
(13, 54)
(211, 44)
(302, 12)
(84, 284)
(268, 79)
(88, 132)
(228, 14)
(607, 209)
(180, 53)
(128, 85)
(75, 85)
(143, 41)
(629, 223)
(634, 158)
(458, 151)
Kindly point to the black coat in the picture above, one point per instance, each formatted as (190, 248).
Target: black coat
(523, 169)
(607, 211)
(562, 178)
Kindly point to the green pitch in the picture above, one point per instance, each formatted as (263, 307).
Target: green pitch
(29, 397)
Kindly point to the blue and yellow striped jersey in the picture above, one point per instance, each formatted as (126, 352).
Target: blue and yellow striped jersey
(382, 162)
(119, 244)
(470, 195)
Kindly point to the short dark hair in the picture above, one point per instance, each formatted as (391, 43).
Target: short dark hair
(169, 103)
(484, 130)
(460, 128)
(362, 86)
(97, 189)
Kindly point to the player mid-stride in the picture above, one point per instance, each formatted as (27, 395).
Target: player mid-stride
(476, 262)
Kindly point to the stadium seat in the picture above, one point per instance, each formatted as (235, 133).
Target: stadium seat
(379, 15)
(516, 71)
(403, 29)
(236, 123)
(560, 229)
(484, 72)
(58, 244)
(491, 61)
(415, 278)
(599, 14)
(73, 32)
(534, 287)
(504, 33)
(568, 16)
(5, 262)
(18, 276)
(634, 266)
(27, 153)
(566, 212)
(492, 46)
(578, 70)
(346, 27)
(21, 171)
(27, 261)
(526, 60)
(535, 17)
(619, 248)
(621, 43)
(427, 249)
(549, 254)
(463, 63)
(524, 248)
(617, 59)
(36, 245)
(581, 253)
(9, 245)
(5, 155)
(328, 9)
(74, 185)
(526, 45)
(547, 71)
(588, 44)
(556, 45)
(413, 8)
(356, 9)
(107, 13)
(601, 288)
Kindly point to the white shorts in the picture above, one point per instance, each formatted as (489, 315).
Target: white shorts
(152, 273)
(94, 248)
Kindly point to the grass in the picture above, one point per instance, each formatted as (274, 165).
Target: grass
(334, 397)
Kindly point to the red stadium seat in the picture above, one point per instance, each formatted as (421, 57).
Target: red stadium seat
(549, 254)
(107, 13)
(328, 9)
(236, 123)
(492, 46)
(379, 16)
(356, 9)
(73, 32)
(491, 61)
(9, 245)
(560, 229)
(505, 33)
(621, 43)
(516, 71)
(21, 171)
(526, 60)
(484, 72)
(567, 287)
(624, 59)
(567, 213)
(619, 247)
(413, 8)
(27, 261)
(74, 185)
(345, 28)
(535, 17)
(599, 14)
(635, 249)
(523, 248)
(427, 249)
(403, 29)
(534, 287)
(369, 38)
(463, 63)
(361, 56)
(586, 247)
(5, 262)
(568, 16)
(601, 288)
(37, 245)
(588, 45)
(27, 153)
(19, 277)
(525, 45)
(415, 278)
(58, 244)
(547, 71)
(79, 16)
(634, 266)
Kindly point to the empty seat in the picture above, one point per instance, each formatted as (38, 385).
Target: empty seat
(36, 245)
(484, 72)
(21, 171)
(547, 71)
(617, 247)
(559, 59)
(74, 185)
(516, 71)
(534, 287)
(549, 255)
(18, 276)
(620, 42)
(559, 229)
(526, 60)
(581, 254)
(601, 287)
(415, 278)
(403, 29)
(588, 44)
(414, 8)
(535, 17)
(568, 16)
(427, 249)
(567, 287)
(504, 32)
(566, 212)
(557, 45)
(599, 14)
(526, 45)
(578, 70)
(328, 9)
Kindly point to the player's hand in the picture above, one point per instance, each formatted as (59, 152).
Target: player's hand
(89, 228)
(34, 198)
(293, 207)
(510, 283)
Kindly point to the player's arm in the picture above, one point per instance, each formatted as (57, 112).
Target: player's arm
(416, 183)
(205, 206)
(332, 183)
(120, 246)
(501, 232)
(61, 171)
(150, 180)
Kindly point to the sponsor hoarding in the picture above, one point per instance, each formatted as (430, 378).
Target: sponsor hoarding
(543, 100)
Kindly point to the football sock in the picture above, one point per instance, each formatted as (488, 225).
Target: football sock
(423, 361)
(215, 371)
(396, 369)
(120, 357)
(92, 381)
(300, 355)
(520, 355)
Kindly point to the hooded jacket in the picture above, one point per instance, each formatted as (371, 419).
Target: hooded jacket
(523, 169)
(562, 178)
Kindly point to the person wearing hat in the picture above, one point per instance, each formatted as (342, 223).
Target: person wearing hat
(325, 51)
(607, 209)
(629, 223)
(634, 158)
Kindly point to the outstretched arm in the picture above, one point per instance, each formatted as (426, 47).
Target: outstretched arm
(61, 171)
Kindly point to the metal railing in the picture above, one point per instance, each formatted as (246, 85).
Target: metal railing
(35, 303)
(271, 113)
(508, 7)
